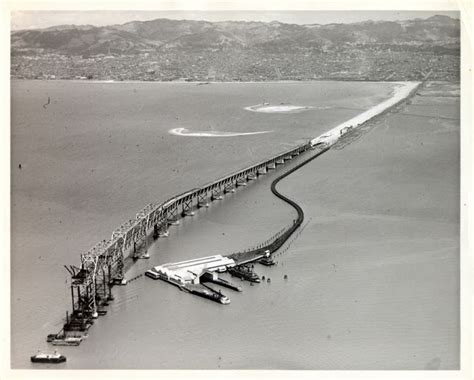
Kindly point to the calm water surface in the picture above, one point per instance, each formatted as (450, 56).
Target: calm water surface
(373, 279)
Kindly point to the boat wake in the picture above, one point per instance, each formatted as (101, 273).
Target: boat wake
(188, 133)
(283, 108)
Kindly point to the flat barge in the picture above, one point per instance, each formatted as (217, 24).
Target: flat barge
(70, 341)
(207, 277)
(207, 292)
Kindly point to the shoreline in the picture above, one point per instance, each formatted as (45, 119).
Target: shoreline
(222, 82)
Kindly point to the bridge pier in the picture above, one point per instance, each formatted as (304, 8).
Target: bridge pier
(116, 276)
(163, 230)
(216, 194)
(229, 188)
(262, 171)
(162, 225)
(187, 207)
(203, 200)
(280, 161)
(172, 216)
(140, 250)
(251, 176)
(271, 166)
(240, 182)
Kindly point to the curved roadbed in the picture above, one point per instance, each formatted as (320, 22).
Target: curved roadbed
(256, 254)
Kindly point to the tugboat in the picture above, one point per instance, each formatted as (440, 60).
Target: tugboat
(268, 261)
(52, 337)
(244, 273)
(48, 358)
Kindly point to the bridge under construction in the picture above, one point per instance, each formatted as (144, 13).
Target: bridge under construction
(102, 266)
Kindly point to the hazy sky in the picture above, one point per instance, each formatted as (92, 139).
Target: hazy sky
(44, 19)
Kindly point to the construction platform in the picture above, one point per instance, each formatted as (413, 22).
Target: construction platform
(190, 271)
(190, 275)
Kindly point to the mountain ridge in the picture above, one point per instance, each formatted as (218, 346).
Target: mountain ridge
(139, 36)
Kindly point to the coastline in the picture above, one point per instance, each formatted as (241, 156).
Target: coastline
(322, 80)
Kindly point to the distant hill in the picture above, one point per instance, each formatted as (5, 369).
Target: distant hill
(164, 50)
(186, 35)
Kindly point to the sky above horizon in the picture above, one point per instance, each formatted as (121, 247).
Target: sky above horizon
(45, 19)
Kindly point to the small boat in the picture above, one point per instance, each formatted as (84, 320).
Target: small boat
(69, 341)
(268, 261)
(119, 281)
(51, 337)
(152, 274)
(244, 273)
(145, 255)
(48, 358)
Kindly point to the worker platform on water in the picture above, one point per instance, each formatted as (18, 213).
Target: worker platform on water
(190, 275)
(190, 271)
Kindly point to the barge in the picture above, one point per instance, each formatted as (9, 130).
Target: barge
(209, 293)
(208, 277)
(69, 341)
